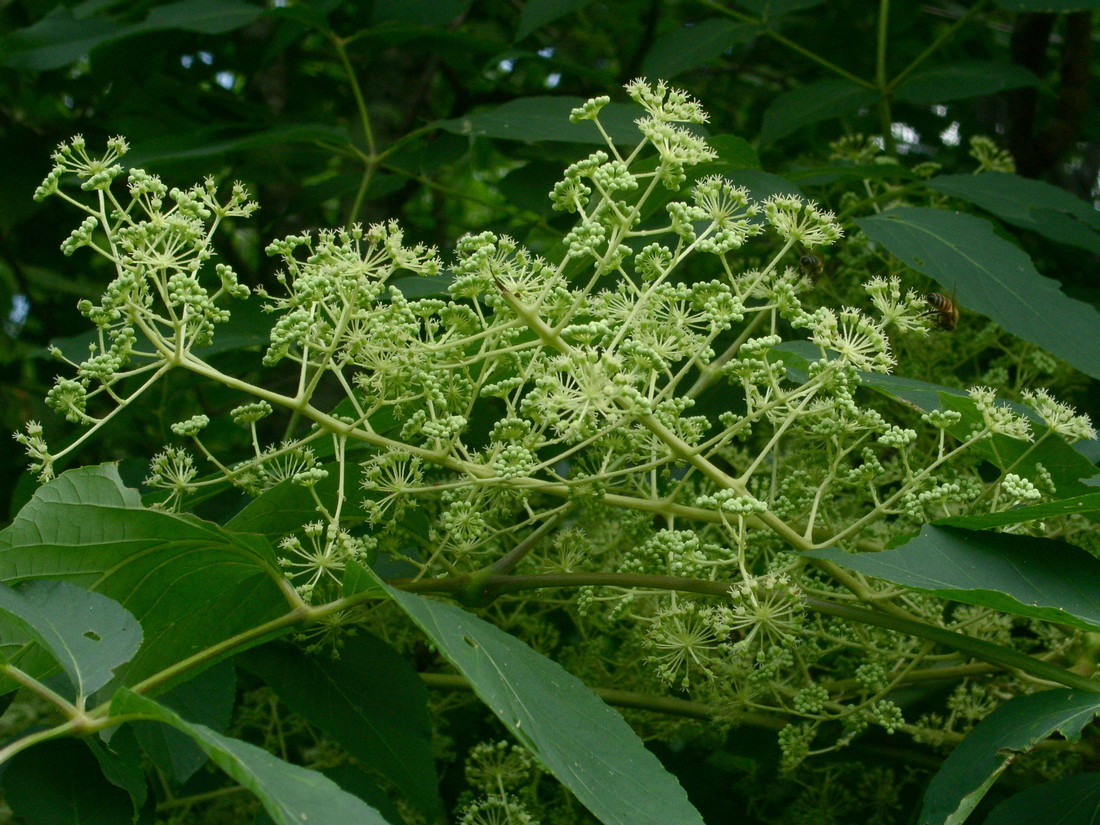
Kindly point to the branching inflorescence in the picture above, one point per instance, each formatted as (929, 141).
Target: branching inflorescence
(644, 404)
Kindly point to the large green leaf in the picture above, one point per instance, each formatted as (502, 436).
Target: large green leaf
(547, 119)
(370, 700)
(290, 794)
(968, 78)
(66, 35)
(1017, 725)
(812, 103)
(991, 276)
(1029, 204)
(576, 737)
(88, 634)
(1078, 803)
(189, 583)
(695, 45)
(1039, 578)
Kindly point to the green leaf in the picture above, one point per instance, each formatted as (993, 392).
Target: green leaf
(431, 13)
(991, 276)
(189, 583)
(290, 794)
(59, 783)
(1016, 726)
(207, 699)
(733, 153)
(968, 78)
(1048, 6)
(537, 13)
(695, 45)
(574, 735)
(122, 766)
(204, 16)
(772, 9)
(1078, 803)
(370, 700)
(214, 142)
(1075, 505)
(547, 119)
(812, 103)
(1038, 578)
(88, 634)
(64, 36)
(1028, 204)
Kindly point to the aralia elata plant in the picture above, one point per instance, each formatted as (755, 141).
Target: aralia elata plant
(654, 435)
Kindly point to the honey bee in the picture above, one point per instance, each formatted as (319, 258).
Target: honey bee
(942, 311)
(811, 265)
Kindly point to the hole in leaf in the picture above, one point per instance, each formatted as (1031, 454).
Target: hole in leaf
(91, 634)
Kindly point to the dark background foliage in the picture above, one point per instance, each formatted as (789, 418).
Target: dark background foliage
(333, 112)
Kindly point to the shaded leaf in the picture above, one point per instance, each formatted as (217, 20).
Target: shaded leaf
(370, 700)
(1038, 578)
(86, 527)
(537, 13)
(772, 9)
(1016, 726)
(574, 735)
(204, 16)
(1048, 6)
(88, 634)
(207, 699)
(59, 783)
(733, 153)
(1078, 803)
(290, 794)
(63, 36)
(432, 13)
(968, 78)
(812, 103)
(547, 119)
(1028, 204)
(695, 45)
(122, 766)
(991, 276)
